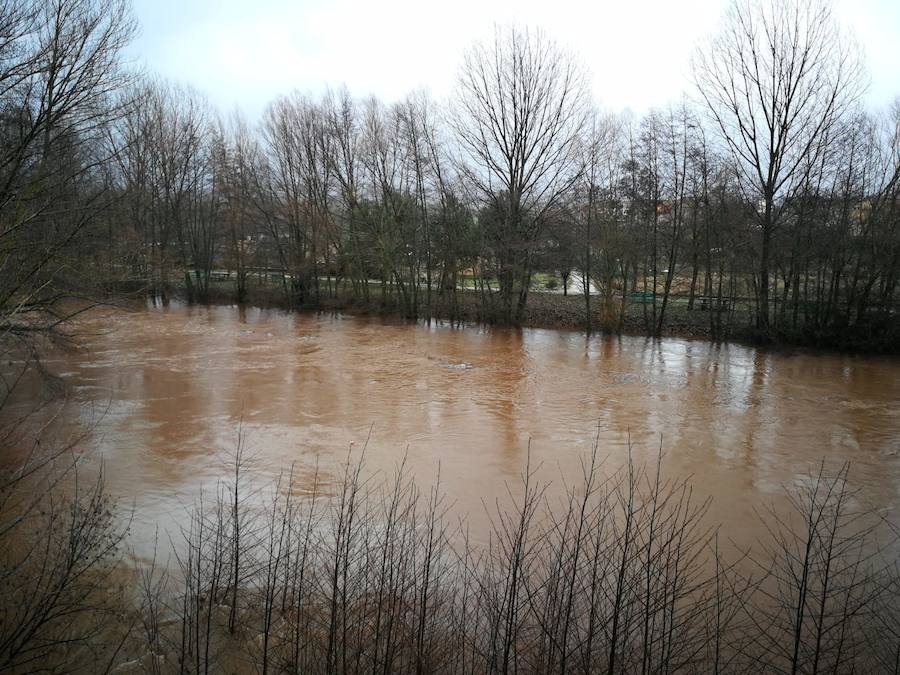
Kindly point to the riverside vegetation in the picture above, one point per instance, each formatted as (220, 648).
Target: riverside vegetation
(624, 573)
(765, 209)
(111, 178)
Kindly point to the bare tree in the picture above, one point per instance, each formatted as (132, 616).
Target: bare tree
(776, 79)
(520, 108)
(298, 150)
(60, 68)
(597, 147)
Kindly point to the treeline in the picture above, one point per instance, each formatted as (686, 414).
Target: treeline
(771, 202)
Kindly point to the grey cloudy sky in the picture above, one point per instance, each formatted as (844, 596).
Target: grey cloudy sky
(245, 53)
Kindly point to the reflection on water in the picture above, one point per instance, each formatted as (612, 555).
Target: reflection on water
(176, 383)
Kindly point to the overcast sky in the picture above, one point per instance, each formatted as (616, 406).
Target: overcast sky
(244, 53)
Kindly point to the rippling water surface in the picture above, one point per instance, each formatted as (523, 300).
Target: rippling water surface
(174, 386)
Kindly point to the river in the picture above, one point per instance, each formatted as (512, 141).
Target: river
(168, 389)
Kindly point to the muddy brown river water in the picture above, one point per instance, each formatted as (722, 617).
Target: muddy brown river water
(171, 387)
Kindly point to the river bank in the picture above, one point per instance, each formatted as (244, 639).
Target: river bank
(553, 310)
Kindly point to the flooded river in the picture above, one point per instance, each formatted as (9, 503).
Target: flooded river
(171, 387)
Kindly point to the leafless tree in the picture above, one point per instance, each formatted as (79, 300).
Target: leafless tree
(776, 79)
(60, 70)
(297, 142)
(520, 108)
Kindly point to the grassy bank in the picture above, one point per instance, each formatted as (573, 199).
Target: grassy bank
(567, 312)
(543, 310)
